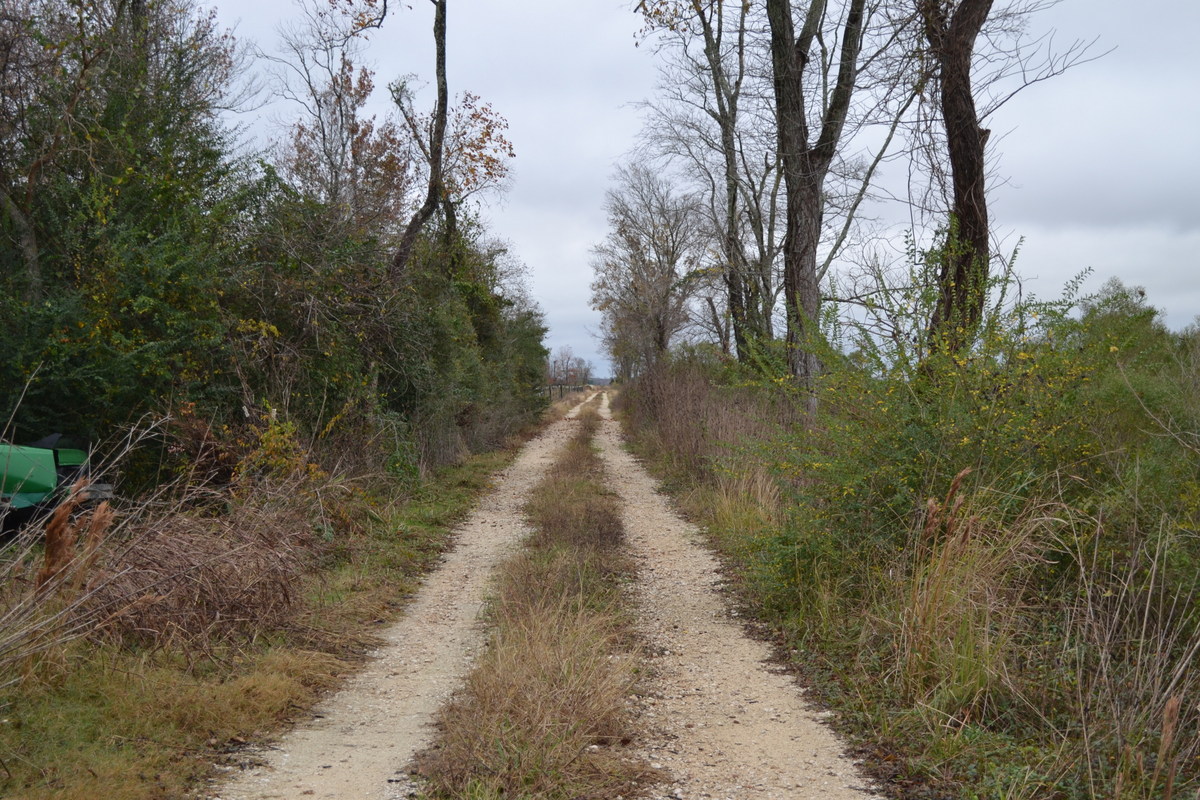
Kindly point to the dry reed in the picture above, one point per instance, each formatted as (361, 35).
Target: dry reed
(194, 581)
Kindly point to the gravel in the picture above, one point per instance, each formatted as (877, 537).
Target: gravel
(721, 721)
(360, 740)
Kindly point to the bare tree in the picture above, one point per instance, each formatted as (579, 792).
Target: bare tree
(647, 266)
(580, 372)
(719, 96)
(721, 67)
(955, 77)
(806, 159)
(474, 154)
(437, 138)
(712, 71)
(558, 365)
(464, 149)
(358, 167)
(950, 33)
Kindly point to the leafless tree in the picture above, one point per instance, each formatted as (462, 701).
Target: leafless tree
(950, 32)
(699, 121)
(464, 149)
(976, 58)
(435, 194)
(736, 70)
(565, 368)
(357, 166)
(558, 363)
(807, 158)
(647, 266)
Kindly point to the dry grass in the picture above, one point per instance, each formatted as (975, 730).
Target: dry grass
(960, 611)
(561, 405)
(1023, 643)
(58, 604)
(1132, 640)
(544, 712)
(739, 505)
(197, 622)
(694, 426)
(196, 583)
(118, 725)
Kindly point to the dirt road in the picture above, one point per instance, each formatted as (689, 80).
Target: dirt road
(359, 741)
(719, 719)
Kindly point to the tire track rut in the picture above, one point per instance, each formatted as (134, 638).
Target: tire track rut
(717, 718)
(359, 740)
(720, 719)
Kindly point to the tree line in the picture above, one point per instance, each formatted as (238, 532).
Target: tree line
(342, 280)
(740, 218)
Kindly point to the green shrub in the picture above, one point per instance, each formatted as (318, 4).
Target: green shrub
(991, 554)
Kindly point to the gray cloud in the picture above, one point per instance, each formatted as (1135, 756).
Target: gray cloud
(1102, 162)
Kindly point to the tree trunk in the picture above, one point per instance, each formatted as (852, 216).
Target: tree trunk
(727, 93)
(806, 164)
(801, 291)
(719, 325)
(733, 256)
(962, 281)
(27, 238)
(436, 145)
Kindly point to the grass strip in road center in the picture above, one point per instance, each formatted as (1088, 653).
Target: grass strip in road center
(544, 712)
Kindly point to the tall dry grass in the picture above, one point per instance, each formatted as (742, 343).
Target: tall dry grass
(48, 588)
(207, 614)
(1131, 640)
(157, 575)
(961, 607)
(544, 712)
(693, 424)
(196, 583)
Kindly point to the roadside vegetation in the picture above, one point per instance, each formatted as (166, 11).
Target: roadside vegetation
(153, 267)
(544, 713)
(986, 559)
(164, 642)
(291, 414)
(970, 515)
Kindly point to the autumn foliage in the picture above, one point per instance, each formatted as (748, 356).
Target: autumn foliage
(150, 265)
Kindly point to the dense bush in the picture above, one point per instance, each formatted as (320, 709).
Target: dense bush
(992, 554)
(148, 265)
(227, 332)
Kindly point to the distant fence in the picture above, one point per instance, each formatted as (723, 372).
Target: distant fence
(558, 391)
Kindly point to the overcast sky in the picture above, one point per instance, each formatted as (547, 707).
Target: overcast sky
(1102, 163)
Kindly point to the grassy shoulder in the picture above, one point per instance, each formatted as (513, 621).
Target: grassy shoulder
(544, 711)
(129, 718)
(988, 567)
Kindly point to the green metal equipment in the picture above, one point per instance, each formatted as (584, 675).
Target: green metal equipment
(35, 477)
